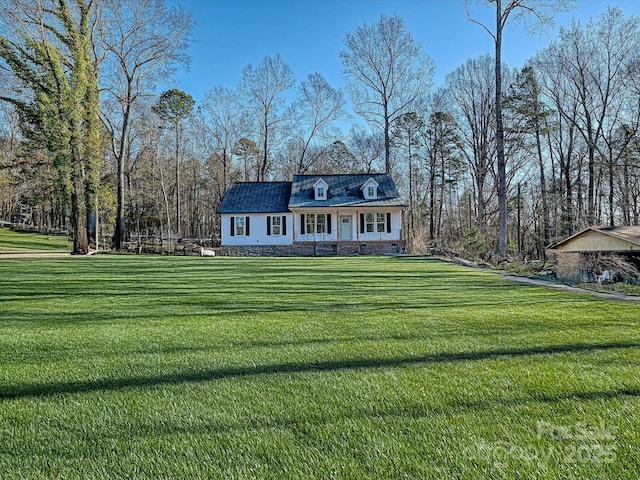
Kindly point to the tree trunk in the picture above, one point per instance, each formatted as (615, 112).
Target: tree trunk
(263, 168)
(167, 209)
(441, 203)
(502, 175)
(177, 181)
(543, 191)
(626, 211)
(118, 236)
(411, 202)
(78, 205)
(481, 214)
(387, 141)
(432, 196)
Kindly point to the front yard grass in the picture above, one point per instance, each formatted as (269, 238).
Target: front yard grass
(188, 367)
(17, 242)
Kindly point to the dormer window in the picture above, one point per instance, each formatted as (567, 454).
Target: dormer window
(370, 189)
(320, 189)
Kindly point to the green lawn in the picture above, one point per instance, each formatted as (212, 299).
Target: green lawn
(17, 242)
(357, 368)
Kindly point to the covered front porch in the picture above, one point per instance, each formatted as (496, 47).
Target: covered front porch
(347, 225)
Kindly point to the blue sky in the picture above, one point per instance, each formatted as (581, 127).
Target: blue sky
(309, 35)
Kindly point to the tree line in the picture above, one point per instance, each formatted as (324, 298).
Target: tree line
(495, 159)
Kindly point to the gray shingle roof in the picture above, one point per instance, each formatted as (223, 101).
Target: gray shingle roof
(256, 197)
(344, 190)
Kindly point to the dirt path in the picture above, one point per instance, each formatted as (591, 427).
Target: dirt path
(567, 288)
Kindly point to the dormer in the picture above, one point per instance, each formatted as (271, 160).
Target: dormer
(320, 189)
(370, 189)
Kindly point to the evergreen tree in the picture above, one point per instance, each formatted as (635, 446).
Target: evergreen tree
(524, 100)
(173, 107)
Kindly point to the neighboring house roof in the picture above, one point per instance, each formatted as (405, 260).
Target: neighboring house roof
(601, 239)
(256, 197)
(344, 191)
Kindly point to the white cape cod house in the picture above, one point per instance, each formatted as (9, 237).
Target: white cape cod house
(359, 213)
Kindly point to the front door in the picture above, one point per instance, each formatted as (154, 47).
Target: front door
(346, 231)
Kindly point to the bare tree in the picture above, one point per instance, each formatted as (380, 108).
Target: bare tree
(541, 13)
(143, 183)
(386, 73)
(368, 149)
(588, 70)
(142, 41)
(470, 87)
(262, 87)
(407, 134)
(248, 152)
(316, 109)
(225, 124)
(562, 137)
(442, 144)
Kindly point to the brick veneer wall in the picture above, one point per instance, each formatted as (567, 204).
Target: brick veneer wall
(309, 249)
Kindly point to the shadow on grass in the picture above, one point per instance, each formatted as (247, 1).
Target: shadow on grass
(34, 390)
(172, 307)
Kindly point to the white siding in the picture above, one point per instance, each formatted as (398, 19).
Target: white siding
(336, 213)
(257, 230)
(396, 226)
(315, 237)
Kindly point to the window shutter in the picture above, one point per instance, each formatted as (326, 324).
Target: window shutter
(268, 225)
(233, 226)
(302, 224)
(388, 222)
(246, 226)
(284, 225)
(362, 223)
(328, 224)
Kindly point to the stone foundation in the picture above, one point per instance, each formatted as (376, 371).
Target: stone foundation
(310, 249)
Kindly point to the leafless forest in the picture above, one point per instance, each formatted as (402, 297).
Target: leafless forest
(87, 142)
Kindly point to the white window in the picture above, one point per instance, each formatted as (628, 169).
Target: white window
(276, 225)
(240, 226)
(320, 189)
(317, 223)
(370, 189)
(311, 223)
(375, 223)
(370, 221)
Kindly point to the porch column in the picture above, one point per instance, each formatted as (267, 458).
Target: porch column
(293, 227)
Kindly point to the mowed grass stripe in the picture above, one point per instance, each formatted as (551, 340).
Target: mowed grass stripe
(18, 242)
(159, 367)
